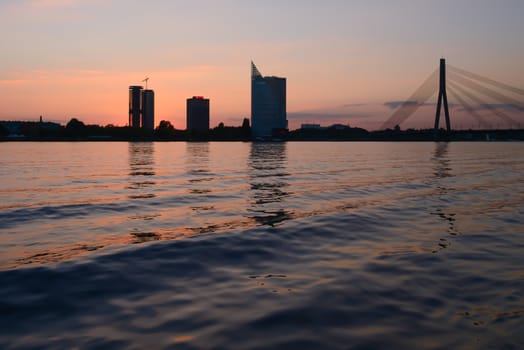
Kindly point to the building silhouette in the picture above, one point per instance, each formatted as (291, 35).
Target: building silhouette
(141, 107)
(135, 105)
(197, 117)
(148, 109)
(268, 105)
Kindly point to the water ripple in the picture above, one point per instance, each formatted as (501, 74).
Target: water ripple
(238, 245)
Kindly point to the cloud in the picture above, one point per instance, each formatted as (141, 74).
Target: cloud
(326, 115)
(397, 104)
(342, 112)
(11, 81)
(351, 105)
(500, 106)
(53, 3)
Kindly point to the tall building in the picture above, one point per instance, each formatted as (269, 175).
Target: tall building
(141, 107)
(148, 109)
(197, 114)
(268, 104)
(135, 104)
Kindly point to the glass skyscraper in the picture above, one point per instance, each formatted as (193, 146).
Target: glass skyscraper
(268, 105)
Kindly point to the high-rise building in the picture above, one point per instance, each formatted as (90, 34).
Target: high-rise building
(141, 107)
(268, 104)
(197, 114)
(148, 109)
(135, 104)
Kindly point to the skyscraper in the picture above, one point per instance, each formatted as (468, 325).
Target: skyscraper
(141, 107)
(197, 114)
(268, 104)
(135, 104)
(148, 109)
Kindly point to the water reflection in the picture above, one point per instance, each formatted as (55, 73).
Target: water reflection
(141, 184)
(141, 168)
(442, 170)
(198, 170)
(441, 161)
(267, 179)
(197, 157)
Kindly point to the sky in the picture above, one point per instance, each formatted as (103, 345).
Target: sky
(346, 61)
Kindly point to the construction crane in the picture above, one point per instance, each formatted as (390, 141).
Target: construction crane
(146, 79)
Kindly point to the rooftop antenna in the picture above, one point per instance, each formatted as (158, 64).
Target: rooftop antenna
(146, 79)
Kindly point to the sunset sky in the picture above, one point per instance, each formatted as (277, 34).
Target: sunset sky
(344, 60)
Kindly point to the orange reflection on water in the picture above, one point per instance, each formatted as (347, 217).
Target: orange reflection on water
(182, 339)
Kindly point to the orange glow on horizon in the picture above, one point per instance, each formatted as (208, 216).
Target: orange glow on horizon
(101, 97)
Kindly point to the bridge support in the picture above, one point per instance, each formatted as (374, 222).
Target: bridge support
(442, 96)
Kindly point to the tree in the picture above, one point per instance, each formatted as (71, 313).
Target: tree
(75, 124)
(246, 129)
(4, 131)
(165, 125)
(165, 130)
(76, 128)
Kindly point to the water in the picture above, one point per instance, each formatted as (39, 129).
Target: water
(258, 246)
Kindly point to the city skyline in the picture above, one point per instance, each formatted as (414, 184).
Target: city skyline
(345, 62)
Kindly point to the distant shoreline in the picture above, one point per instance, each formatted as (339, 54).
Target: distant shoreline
(475, 136)
(77, 131)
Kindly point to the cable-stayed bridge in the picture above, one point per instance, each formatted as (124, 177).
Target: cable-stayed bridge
(488, 101)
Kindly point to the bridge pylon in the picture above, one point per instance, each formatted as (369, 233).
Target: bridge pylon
(442, 97)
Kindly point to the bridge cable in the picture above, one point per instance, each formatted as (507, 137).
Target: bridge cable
(487, 91)
(415, 101)
(468, 108)
(485, 80)
(455, 85)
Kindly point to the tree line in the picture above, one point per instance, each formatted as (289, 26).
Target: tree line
(78, 130)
